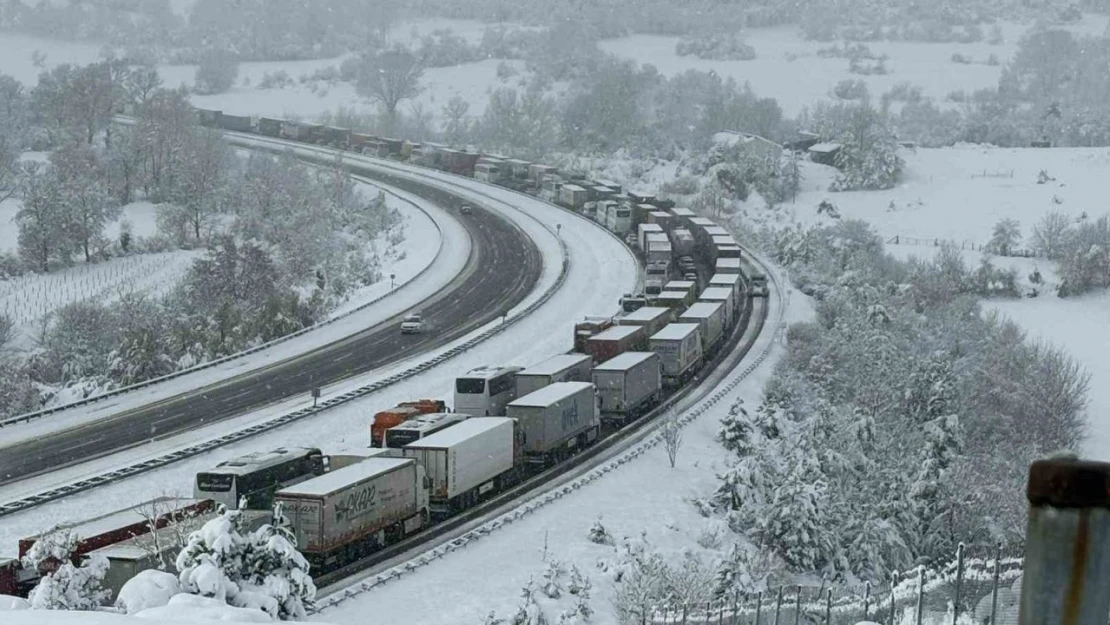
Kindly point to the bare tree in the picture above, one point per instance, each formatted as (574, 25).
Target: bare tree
(161, 514)
(672, 437)
(142, 82)
(390, 77)
(216, 72)
(84, 196)
(41, 227)
(13, 124)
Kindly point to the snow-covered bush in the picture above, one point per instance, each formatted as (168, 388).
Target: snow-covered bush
(63, 585)
(260, 570)
(715, 48)
(9, 603)
(599, 535)
(186, 606)
(148, 589)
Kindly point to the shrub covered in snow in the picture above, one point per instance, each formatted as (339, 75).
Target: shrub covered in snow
(65, 586)
(261, 570)
(9, 603)
(728, 47)
(148, 589)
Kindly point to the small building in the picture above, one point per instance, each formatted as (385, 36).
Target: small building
(824, 153)
(753, 144)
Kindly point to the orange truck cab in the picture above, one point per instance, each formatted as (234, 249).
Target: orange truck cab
(399, 414)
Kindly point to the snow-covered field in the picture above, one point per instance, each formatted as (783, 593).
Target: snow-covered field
(601, 269)
(958, 194)
(783, 52)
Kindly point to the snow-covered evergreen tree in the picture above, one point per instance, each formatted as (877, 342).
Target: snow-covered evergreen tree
(260, 569)
(736, 429)
(65, 586)
(930, 493)
(599, 535)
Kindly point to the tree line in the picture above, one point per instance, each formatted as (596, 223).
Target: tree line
(283, 243)
(900, 422)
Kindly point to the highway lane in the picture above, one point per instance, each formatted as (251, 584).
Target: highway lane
(503, 268)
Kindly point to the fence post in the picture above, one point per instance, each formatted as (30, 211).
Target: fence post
(828, 607)
(708, 613)
(758, 606)
(778, 606)
(994, 588)
(893, 582)
(721, 613)
(1067, 543)
(959, 582)
(920, 592)
(685, 613)
(736, 608)
(866, 599)
(798, 605)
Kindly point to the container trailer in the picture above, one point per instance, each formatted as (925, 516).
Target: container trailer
(467, 462)
(710, 317)
(557, 419)
(269, 126)
(679, 349)
(660, 252)
(573, 196)
(728, 265)
(615, 341)
(673, 300)
(682, 242)
(642, 232)
(723, 240)
(664, 219)
(590, 326)
(652, 318)
(237, 123)
(628, 385)
(688, 287)
(655, 275)
(560, 368)
(729, 251)
(723, 295)
(732, 281)
(355, 510)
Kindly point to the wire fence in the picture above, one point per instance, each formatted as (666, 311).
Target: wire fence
(980, 586)
(963, 245)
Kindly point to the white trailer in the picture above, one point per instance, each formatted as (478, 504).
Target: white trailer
(683, 242)
(628, 385)
(360, 506)
(679, 349)
(730, 281)
(642, 232)
(561, 368)
(659, 252)
(728, 265)
(467, 462)
(557, 419)
(710, 317)
(573, 196)
(724, 296)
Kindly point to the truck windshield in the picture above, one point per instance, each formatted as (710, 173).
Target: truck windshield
(396, 438)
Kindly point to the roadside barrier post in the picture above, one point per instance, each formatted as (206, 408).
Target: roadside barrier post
(1067, 544)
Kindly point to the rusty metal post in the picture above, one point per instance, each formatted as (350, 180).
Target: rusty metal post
(798, 605)
(959, 583)
(920, 593)
(758, 606)
(994, 587)
(778, 606)
(1067, 544)
(828, 607)
(866, 599)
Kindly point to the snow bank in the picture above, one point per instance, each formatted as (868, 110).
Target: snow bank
(200, 609)
(148, 589)
(9, 603)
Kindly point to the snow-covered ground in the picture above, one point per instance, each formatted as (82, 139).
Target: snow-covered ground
(645, 495)
(601, 269)
(783, 52)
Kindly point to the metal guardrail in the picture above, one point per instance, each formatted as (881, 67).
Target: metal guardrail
(194, 450)
(526, 509)
(30, 416)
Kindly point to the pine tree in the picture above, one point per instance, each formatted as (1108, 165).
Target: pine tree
(736, 430)
(928, 493)
(278, 569)
(216, 558)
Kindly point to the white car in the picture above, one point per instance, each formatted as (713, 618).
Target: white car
(412, 324)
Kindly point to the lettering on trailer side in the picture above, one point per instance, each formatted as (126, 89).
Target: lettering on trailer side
(356, 504)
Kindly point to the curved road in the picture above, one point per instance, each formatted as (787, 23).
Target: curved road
(503, 267)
